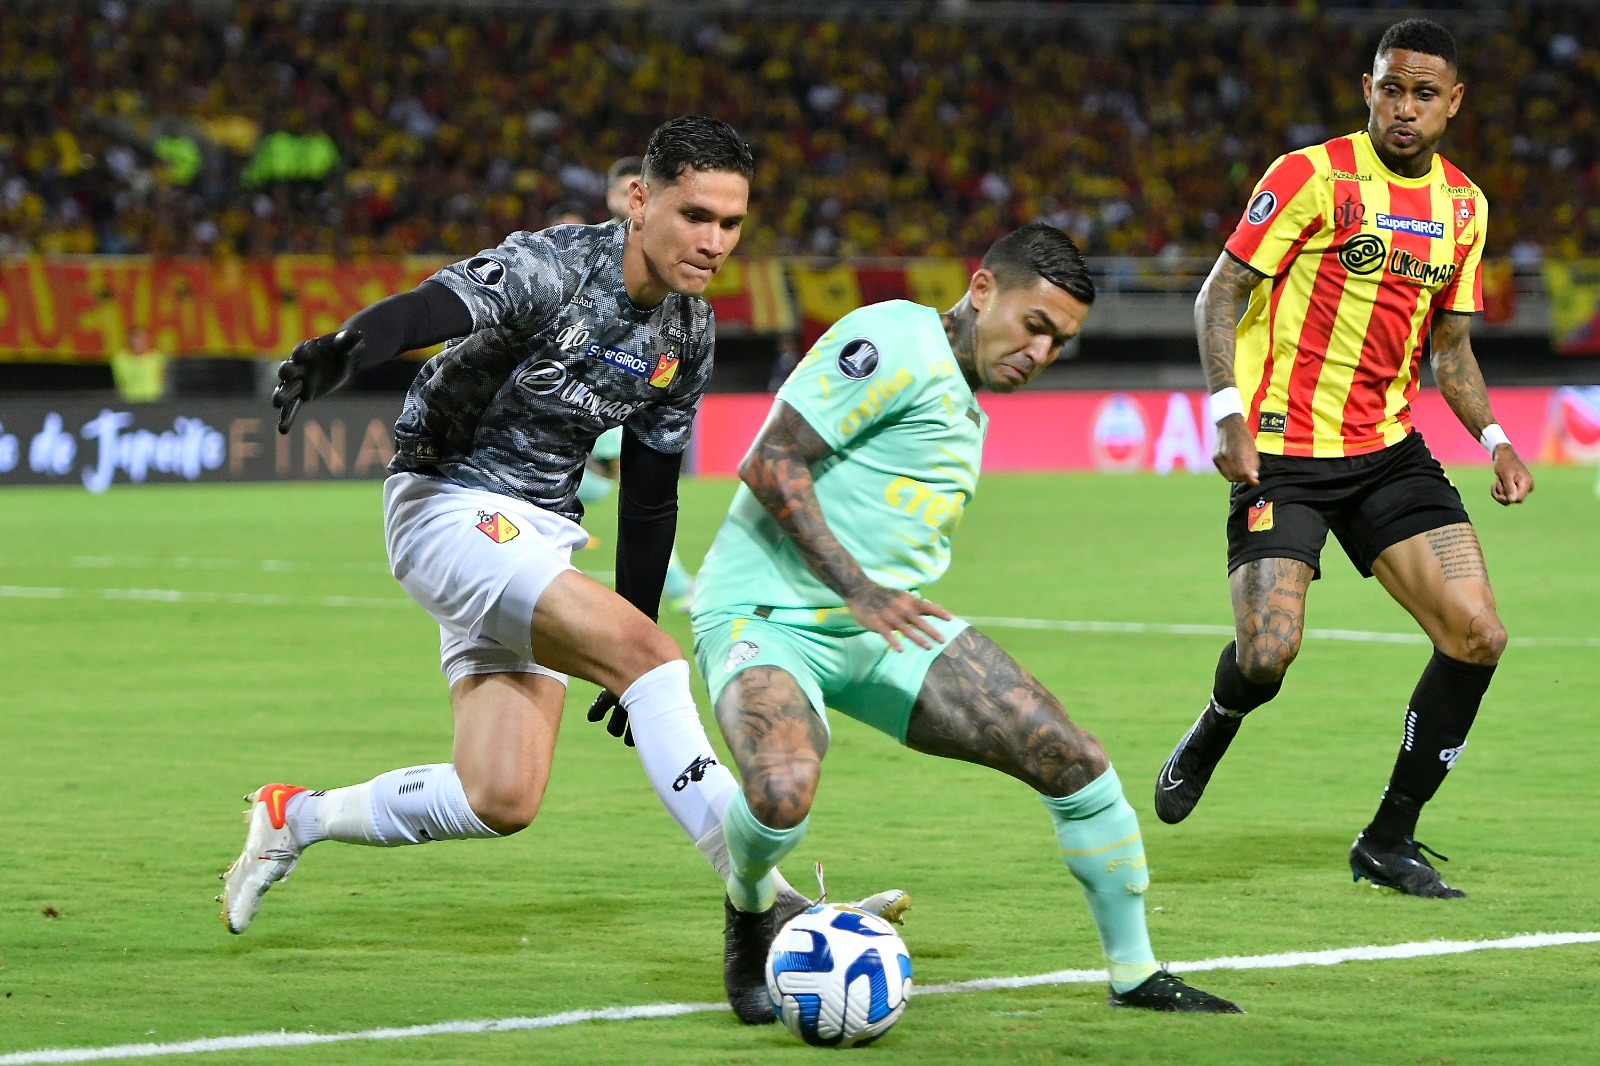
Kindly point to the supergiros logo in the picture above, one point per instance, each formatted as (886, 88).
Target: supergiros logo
(877, 393)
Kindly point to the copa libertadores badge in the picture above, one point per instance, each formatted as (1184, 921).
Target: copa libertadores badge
(1262, 207)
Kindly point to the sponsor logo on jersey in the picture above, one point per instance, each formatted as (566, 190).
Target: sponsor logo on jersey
(1348, 175)
(1422, 227)
(1363, 254)
(573, 336)
(1259, 519)
(1460, 190)
(741, 652)
(1262, 207)
(486, 271)
(497, 527)
(585, 399)
(633, 364)
(542, 378)
(877, 393)
(1350, 214)
(665, 370)
(858, 359)
(1407, 267)
(1272, 422)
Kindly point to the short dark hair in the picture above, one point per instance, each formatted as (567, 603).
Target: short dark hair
(627, 165)
(1419, 35)
(695, 142)
(1039, 250)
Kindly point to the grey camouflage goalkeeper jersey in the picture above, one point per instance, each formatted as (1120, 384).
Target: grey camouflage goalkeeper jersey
(557, 355)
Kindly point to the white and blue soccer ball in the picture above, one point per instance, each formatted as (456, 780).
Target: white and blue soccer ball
(838, 976)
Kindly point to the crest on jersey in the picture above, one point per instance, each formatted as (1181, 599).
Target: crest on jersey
(1262, 207)
(497, 527)
(741, 652)
(485, 271)
(858, 359)
(1260, 518)
(665, 370)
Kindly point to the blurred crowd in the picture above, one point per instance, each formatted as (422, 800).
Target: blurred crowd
(256, 128)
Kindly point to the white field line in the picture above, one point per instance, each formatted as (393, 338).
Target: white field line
(1169, 629)
(284, 1039)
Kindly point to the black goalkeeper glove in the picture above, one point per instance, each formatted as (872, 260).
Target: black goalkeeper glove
(315, 368)
(618, 726)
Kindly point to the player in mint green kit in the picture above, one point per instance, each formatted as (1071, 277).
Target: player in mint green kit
(810, 599)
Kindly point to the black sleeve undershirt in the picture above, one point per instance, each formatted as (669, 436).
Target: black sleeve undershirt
(647, 522)
(421, 318)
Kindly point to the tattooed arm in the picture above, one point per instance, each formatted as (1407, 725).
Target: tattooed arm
(1455, 368)
(1216, 321)
(778, 471)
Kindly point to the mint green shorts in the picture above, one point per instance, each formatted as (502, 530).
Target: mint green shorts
(836, 662)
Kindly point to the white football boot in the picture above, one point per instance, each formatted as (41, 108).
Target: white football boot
(270, 852)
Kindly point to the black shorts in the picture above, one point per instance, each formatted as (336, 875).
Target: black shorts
(1369, 501)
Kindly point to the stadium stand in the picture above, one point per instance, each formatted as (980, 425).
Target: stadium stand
(267, 128)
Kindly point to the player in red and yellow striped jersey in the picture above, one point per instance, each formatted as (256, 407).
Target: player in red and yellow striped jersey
(1349, 256)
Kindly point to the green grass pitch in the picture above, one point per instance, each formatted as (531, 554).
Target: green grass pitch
(130, 727)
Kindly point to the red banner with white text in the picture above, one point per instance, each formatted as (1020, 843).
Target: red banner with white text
(1166, 431)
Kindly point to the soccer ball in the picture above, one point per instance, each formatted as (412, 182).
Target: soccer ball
(838, 976)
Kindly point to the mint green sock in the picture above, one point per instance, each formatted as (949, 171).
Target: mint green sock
(753, 850)
(1100, 843)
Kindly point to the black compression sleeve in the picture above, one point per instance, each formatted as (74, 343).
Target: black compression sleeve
(647, 522)
(423, 317)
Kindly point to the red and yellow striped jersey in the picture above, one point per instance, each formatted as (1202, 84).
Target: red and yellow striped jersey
(1357, 259)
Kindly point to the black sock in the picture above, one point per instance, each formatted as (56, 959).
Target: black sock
(1234, 692)
(1442, 708)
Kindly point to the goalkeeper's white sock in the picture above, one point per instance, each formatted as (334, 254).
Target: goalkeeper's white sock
(679, 761)
(409, 806)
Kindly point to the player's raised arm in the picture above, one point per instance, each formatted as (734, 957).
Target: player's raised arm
(1217, 311)
(1461, 384)
(423, 317)
(777, 471)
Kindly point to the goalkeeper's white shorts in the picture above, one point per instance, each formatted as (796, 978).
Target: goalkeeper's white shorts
(477, 561)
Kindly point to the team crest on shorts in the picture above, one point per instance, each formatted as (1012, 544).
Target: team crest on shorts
(1260, 518)
(741, 652)
(497, 527)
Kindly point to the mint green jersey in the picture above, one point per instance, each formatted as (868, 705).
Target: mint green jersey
(883, 388)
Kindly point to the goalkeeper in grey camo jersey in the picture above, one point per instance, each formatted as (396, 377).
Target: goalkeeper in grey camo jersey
(560, 336)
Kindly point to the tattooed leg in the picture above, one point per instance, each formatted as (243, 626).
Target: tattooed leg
(777, 741)
(978, 705)
(1440, 578)
(1269, 616)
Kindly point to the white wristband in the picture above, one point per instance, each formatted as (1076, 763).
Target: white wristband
(1225, 402)
(1492, 437)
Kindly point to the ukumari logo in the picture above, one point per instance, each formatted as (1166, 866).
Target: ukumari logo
(497, 527)
(1403, 264)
